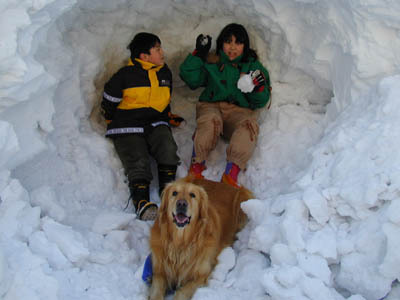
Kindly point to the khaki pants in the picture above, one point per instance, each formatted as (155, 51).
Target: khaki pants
(236, 124)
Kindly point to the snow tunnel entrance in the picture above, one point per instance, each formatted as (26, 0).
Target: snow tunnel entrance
(92, 40)
(98, 34)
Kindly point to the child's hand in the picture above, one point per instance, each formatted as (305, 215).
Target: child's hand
(203, 45)
(254, 80)
(258, 80)
(175, 120)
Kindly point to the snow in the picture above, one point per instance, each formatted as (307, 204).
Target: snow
(325, 221)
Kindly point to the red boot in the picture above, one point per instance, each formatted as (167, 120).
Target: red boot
(230, 175)
(196, 169)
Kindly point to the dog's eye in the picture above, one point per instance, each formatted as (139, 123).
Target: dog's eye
(192, 195)
(174, 193)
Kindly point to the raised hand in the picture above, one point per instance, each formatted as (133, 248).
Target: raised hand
(203, 45)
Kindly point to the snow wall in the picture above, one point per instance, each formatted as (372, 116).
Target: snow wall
(348, 49)
(345, 46)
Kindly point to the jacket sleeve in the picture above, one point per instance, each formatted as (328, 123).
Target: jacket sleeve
(258, 99)
(112, 95)
(192, 72)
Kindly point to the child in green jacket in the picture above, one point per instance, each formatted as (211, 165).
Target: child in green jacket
(136, 105)
(236, 87)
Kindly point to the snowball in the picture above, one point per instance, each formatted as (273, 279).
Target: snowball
(245, 83)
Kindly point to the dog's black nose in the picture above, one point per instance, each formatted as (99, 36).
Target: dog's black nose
(181, 205)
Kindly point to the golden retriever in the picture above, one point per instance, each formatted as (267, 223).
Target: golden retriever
(197, 219)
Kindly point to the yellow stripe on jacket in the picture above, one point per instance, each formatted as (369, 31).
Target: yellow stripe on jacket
(154, 96)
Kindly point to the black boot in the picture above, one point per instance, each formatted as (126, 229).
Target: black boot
(140, 194)
(166, 174)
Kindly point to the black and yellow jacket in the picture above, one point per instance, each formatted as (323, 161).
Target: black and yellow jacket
(137, 97)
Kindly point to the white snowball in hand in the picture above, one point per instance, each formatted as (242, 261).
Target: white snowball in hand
(245, 83)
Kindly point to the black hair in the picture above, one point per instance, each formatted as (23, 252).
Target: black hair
(142, 43)
(241, 36)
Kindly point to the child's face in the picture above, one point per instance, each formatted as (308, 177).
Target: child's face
(232, 48)
(156, 55)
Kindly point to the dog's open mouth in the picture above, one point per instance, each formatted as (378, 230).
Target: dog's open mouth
(181, 219)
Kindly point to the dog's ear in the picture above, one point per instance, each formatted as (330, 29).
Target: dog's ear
(203, 203)
(164, 198)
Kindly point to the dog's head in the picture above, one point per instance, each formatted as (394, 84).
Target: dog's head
(183, 203)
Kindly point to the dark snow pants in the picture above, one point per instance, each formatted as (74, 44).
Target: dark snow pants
(136, 150)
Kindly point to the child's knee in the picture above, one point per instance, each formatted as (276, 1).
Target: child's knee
(211, 126)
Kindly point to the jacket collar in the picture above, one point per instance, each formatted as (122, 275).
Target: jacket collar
(225, 58)
(145, 65)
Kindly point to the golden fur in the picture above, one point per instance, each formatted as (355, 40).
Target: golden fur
(185, 248)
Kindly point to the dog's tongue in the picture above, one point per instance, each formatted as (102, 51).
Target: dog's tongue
(181, 218)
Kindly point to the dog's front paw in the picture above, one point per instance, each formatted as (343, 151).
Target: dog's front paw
(157, 288)
(183, 295)
(180, 297)
(156, 296)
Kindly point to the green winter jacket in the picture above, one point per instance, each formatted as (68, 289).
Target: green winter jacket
(220, 80)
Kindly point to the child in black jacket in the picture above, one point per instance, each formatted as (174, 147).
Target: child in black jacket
(136, 104)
